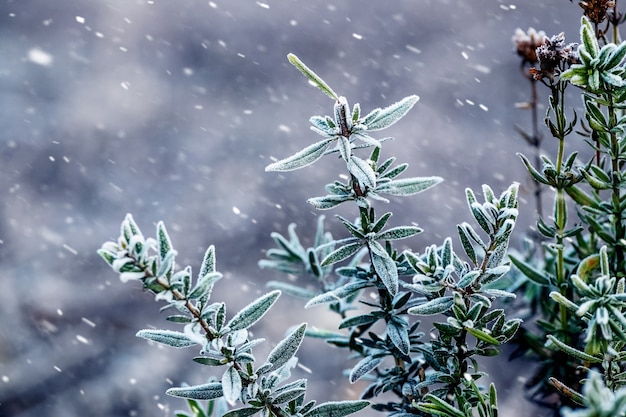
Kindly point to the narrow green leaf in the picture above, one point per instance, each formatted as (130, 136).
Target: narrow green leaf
(108, 256)
(432, 307)
(365, 365)
(289, 395)
(391, 114)
(468, 279)
(481, 335)
(572, 351)
(399, 336)
(588, 37)
(400, 232)
(284, 350)
(253, 311)
(292, 290)
(203, 360)
(208, 262)
(391, 174)
(176, 318)
(354, 229)
(537, 176)
(381, 222)
(530, 272)
(362, 171)
(337, 408)
(467, 244)
(438, 407)
(617, 56)
(198, 392)
(313, 77)
(165, 244)
(197, 410)
(303, 158)
(345, 148)
(561, 299)
(384, 266)
(204, 286)
(341, 253)
(242, 412)
(338, 293)
(166, 337)
(231, 385)
(408, 186)
(328, 202)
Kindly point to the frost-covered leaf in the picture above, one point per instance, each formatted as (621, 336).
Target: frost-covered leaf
(359, 320)
(468, 279)
(400, 232)
(208, 361)
(408, 186)
(165, 244)
(337, 408)
(573, 351)
(284, 350)
(292, 290)
(365, 138)
(385, 267)
(242, 412)
(345, 148)
(481, 335)
(203, 287)
(365, 365)
(381, 222)
(467, 244)
(313, 77)
(198, 392)
(362, 171)
(389, 115)
(132, 275)
(399, 336)
(167, 264)
(588, 38)
(328, 202)
(289, 395)
(616, 57)
(167, 337)
(338, 293)
(438, 407)
(176, 318)
(341, 253)
(436, 306)
(305, 157)
(251, 313)
(231, 385)
(208, 262)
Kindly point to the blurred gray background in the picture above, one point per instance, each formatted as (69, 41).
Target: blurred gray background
(171, 110)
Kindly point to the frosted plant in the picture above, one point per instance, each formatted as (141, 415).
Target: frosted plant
(436, 377)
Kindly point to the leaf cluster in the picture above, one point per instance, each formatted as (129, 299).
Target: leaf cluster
(378, 290)
(222, 342)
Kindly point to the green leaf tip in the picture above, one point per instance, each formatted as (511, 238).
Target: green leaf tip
(312, 76)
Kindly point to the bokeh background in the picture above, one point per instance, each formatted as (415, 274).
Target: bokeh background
(171, 110)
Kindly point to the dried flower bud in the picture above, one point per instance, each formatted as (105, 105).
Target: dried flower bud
(527, 42)
(596, 10)
(553, 55)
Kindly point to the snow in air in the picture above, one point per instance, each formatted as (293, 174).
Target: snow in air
(40, 57)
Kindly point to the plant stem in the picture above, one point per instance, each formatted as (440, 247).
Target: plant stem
(615, 187)
(536, 142)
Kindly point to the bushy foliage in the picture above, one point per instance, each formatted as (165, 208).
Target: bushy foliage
(571, 272)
